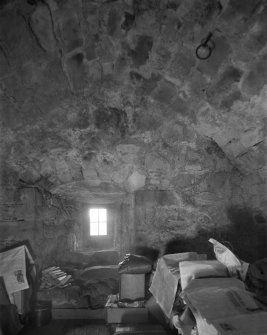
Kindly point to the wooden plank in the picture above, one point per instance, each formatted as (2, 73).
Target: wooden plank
(79, 313)
(89, 330)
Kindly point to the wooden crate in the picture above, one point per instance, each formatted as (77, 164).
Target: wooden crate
(132, 286)
(127, 315)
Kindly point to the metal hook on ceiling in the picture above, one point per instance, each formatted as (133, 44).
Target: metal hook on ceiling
(204, 50)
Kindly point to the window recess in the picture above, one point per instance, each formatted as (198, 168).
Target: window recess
(98, 222)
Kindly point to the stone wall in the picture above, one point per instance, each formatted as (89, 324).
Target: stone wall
(49, 223)
(108, 100)
(202, 200)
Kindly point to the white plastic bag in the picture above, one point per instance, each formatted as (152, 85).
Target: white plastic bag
(235, 266)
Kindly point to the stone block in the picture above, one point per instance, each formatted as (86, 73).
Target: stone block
(42, 26)
(193, 156)
(206, 198)
(208, 123)
(114, 20)
(33, 72)
(225, 136)
(203, 11)
(70, 31)
(230, 75)
(165, 92)
(148, 84)
(228, 101)
(234, 148)
(219, 56)
(256, 39)
(252, 136)
(256, 78)
(183, 180)
(198, 84)
(47, 214)
(89, 47)
(182, 63)
(128, 22)
(94, 74)
(63, 171)
(155, 163)
(128, 152)
(50, 230)
(244, 7)
(136, 181)
(216, 181)
(121, 64)
(46, 168)
(155, 198)
(193, 167)
(160, 57)
(111, 119)
(148, 122)
(121, 174)
(140, 53)
(76, 71)
(170, 27)
(147, 22)
(29, 174)
(90, 173)
(105, 50)
(253, 159)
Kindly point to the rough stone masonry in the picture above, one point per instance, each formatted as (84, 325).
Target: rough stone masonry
(107, 100)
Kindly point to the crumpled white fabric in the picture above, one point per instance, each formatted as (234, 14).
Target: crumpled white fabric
(235, 266)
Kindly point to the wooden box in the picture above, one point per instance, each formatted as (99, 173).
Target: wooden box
(127, 315)
(132, 286)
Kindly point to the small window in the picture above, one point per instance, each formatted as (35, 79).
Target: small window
(98, 221)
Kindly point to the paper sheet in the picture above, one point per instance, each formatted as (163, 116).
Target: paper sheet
(13, 268)
(222, 306)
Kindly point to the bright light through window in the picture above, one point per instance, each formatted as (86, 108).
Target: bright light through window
(98, 221)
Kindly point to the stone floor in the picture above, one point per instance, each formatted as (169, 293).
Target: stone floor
(67, 327)
(85, 327)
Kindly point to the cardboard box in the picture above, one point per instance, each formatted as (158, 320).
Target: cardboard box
(223, 306)
(132, 286)
(127, 315)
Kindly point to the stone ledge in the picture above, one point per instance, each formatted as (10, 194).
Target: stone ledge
(79, 313)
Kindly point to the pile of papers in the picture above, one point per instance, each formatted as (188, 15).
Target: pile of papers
(54, 277)
(222, 306)
(213, 292)
(165, 280)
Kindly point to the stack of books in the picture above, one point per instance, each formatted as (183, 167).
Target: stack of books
(54, 277)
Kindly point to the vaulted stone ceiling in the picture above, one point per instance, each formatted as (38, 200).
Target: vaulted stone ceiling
(110, 95)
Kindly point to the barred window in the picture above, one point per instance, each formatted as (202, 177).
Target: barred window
(98, 221)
